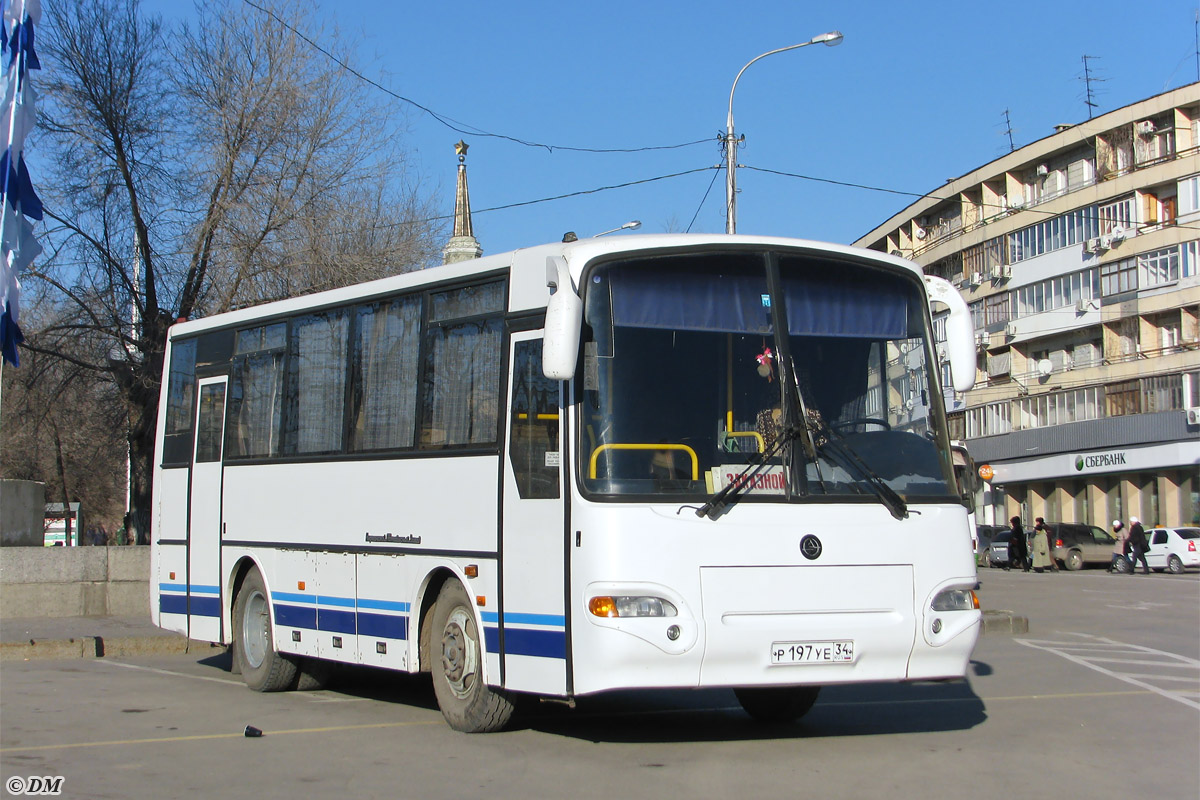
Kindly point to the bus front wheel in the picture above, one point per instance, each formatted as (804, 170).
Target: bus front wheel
(777, 703)
(263, 669)
(467, 702)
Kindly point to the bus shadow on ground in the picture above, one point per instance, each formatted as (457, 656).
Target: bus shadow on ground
(368, 683)
(709, 715)
(715, 715)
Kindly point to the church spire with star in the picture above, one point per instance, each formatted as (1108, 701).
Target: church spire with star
(462, 245)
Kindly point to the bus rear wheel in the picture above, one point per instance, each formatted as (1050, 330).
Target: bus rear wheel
(777, 703)
(263, 669)
(466, 701)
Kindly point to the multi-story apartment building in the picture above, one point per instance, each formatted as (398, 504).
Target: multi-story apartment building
(1079, 256)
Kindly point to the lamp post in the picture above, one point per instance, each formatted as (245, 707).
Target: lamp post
(632, 225)
(832, 38)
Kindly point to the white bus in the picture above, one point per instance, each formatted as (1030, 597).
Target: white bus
(640, 462)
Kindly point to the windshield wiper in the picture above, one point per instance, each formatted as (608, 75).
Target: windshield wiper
(827, 439)
(726, 497)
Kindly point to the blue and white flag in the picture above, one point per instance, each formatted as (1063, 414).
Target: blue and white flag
(18, 201)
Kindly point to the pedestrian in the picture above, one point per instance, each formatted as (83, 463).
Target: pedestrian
(1137, 546)
(1121, 536)
(1018, 549)
(1041, 547)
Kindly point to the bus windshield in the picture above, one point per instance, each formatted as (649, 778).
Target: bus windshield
(682, 391)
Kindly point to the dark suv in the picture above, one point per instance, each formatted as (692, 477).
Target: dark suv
(1075, 544)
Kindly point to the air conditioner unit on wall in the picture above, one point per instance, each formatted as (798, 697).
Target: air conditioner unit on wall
(1145, 128)
(976, 278)
(1043, 170)
(1010, 330)
(1193, 415)
(1092, 245)
(981, 340)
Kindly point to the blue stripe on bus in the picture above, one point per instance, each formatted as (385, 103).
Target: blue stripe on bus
(382, 626)
(182, 587)
(527, 642)
(383, 605)
(336, 621)
(530, 642)
(172, 603)
(178, 604)
(295, 616)
(291, 597)
(551, 620)
(344, 602)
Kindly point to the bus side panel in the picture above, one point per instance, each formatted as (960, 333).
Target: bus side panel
(386, 619)
(445, 505)
(168, 569)
(329, 526)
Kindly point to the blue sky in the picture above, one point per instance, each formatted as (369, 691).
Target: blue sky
(915, 95)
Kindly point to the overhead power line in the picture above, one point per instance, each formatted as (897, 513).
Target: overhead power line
(456, 125)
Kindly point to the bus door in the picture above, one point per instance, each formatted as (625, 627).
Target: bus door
(532, 617)
(204, 514)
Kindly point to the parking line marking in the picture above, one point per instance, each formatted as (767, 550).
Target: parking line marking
(172, 673)
(312, 697)
(1146, 663)
(203, 736)
(1060, 648)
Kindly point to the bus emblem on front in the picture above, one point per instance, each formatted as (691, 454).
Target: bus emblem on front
(810, 546)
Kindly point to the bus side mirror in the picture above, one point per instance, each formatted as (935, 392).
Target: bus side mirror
(564, 321)
(960, 332)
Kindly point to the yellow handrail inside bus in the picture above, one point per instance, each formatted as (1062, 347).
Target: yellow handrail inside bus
(762, 445)
(637, 446)
(538, 416)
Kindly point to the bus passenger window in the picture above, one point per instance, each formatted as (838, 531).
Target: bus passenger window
(212, 421)
(533, 443)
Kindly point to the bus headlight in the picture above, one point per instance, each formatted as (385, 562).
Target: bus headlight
(955, 600)
(630, 606)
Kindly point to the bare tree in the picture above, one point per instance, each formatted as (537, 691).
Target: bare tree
(64, 425)
(198, 170)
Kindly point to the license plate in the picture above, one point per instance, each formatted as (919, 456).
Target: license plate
(835, 652)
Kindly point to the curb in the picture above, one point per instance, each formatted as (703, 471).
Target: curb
(1003, 622)
(100, 647)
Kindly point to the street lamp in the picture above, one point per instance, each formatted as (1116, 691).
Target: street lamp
(832, 38)
(632, 225)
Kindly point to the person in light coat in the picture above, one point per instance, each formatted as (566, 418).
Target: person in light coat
(1042, 560)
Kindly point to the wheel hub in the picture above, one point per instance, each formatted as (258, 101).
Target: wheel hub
(459, 664)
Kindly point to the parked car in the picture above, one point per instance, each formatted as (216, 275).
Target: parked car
(1075, 544)
(983, 537)
(1173, 549)
(997, 550)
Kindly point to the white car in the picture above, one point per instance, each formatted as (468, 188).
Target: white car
(1173, 549)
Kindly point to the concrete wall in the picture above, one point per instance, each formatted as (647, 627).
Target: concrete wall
(74, 581)
(22, 513)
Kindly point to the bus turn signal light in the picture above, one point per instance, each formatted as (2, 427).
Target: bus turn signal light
(630, 606)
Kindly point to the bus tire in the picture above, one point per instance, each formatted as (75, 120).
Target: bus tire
(263, 669)
(777, 703)
(466, 701)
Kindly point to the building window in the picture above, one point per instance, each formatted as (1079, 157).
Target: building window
(1162, 393)
(1049, 235)
(1063, 291)
(1159, 267)
(981, 259)
(1059, 408)
(989, 420)
(1121, 399)
(1118, 277)
(1117, 214)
